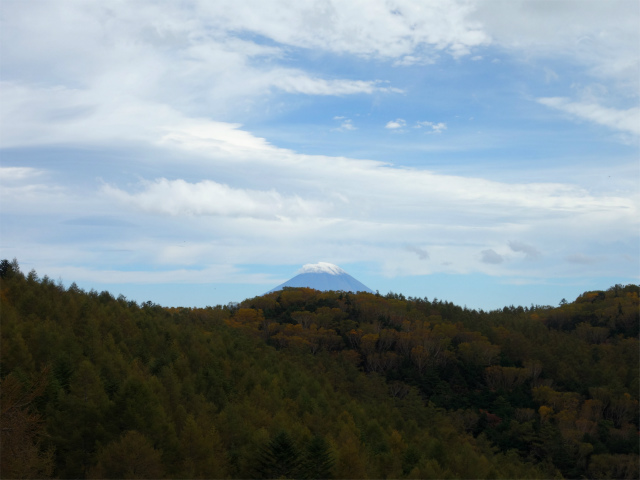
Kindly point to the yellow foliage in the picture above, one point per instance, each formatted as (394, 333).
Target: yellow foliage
(545, 413)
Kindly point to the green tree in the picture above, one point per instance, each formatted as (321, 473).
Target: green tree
(21, 455)
(317, 461)
(77, 424)
(132, 456)
(280, 458)
(202, 451)
(6, 269)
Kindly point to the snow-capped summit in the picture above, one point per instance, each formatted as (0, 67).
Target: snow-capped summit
(322, 267)
(324, 276)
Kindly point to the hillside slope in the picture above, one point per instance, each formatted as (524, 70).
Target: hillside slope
(341, 385)
(325, 282)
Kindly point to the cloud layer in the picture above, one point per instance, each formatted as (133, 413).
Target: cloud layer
(623, 120)
(140, 139)
(208, 198)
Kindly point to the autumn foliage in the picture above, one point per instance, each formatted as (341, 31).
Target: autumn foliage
(308, 384)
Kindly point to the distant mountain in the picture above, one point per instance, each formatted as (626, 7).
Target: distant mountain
(324, 276)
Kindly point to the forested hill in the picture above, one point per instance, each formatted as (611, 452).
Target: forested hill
(307, 384)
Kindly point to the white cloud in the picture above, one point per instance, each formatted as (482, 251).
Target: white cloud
(209, 198)
(369, 211)
(347, 125)
(23, 189)
(20, 199)
(379, 184)
(623, 120)
(395, 124)
(214, 138)
(40, 115)
(595, 42)
(601, 36)
(316, 86)
(384, 30)
(439, 127)
(284, 204)
(190, 59)
(200, 54)
(434, 127)
(367, 205)
(17, 174)
(182, 61)
(412, 60)
(322, 267)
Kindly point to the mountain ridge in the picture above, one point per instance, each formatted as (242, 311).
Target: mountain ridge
(325, 277)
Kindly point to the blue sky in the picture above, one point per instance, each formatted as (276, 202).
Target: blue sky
(195, 153)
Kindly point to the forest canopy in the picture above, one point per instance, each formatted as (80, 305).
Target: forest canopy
(307, 384)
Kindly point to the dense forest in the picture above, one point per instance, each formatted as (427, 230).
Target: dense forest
(307, 384)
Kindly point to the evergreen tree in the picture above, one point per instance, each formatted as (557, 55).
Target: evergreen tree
(280, 458)
(317, 461)
(5, 268)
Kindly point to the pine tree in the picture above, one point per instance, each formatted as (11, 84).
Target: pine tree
(280, 458)
(317, 461)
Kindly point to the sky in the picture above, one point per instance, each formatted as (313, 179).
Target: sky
(196, 152)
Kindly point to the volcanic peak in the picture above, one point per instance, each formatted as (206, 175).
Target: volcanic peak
(324, 276)
(322, 267)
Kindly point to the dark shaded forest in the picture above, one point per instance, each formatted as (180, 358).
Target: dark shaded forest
(308, 384)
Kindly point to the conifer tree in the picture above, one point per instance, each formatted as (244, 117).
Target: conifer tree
(317, 461)
(280, 458)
